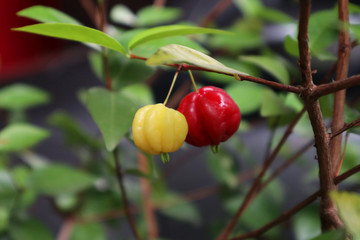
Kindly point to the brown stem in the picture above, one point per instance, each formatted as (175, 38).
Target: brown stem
(286, 215)
(280, 86)
(345, 127)
(336, 86)
(159, 3)
(149, 210)
(341, 73)
(254, 187)
(92, 11)
(215, 12)
(66, 228)
(119, 175)
(329, 218)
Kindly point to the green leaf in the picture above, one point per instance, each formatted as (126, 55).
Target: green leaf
(247, 95)
(4, 218)
(21, 96)
(59, 179)
(291, 46)
(149, 48)
(356, 30)
(307, 223)
(8, 191)
(47, 15)
(348, 205)
(353, 8)
(168, 31)
(88, 231)
(274, 15)
(75, 33)
(273, 105)
(223, 167)
(124, 71)
(113, 112)
(73, 133)
(140, 93)
(271, 65)
(137, 173)
(30, 230)
(174, 53)
(21, 136)
(152, 15)
(247, 36)
(337, 234)
(249, 8)
(175, 207)
(120, 13)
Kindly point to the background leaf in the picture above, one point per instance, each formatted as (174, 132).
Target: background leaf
(20, 136)
(348, 205)
(75, 33)
(248, 96)
(167, 31)
(120, 13)
(30, 230)
(273, 66)
(113, 112)
(47, 15)
(152, 15)
(21, 96)
(88, 231)
(59, 179)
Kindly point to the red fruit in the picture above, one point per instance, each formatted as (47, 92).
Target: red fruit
(212, 116)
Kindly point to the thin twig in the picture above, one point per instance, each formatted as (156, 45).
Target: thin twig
(286, 164)
(346, 127)
(159, 3)
(119, 175)
(344, 48)
(66, 228)
(280, 86)
(219, 8)
(343, 154)
(149, 209)
(253, 189)
(286, 215)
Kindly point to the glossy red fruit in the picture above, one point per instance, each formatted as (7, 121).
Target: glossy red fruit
(212, 116)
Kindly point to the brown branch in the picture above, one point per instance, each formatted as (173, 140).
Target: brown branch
(303, 41)
(286, 215)
(215, 12)
(346, 127)
(254, 188)
(149, 209)
(336, 86)
(119, 175)
(280, 86)
(328, 216)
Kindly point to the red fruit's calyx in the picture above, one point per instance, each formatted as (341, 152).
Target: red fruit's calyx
(212, 116)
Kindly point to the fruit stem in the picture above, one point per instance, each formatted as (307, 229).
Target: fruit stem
(172, 84)
(165, 158)
(193, 80)
(215, 148)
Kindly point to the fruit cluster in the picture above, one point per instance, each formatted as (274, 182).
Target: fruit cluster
(205, 117)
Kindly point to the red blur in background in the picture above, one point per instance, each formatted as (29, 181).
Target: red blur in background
(22, 53)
